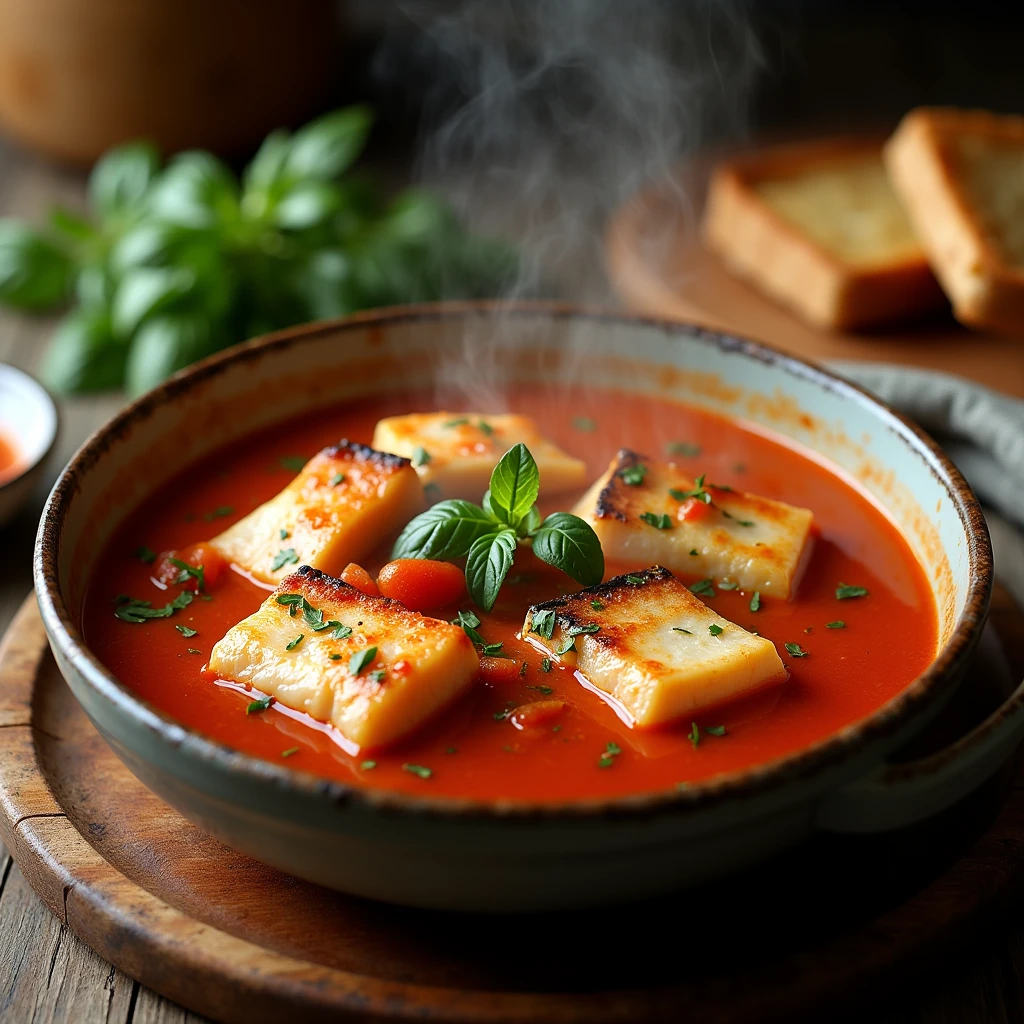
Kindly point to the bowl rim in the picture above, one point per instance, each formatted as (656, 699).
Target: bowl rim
(800, 765)
(30, 382)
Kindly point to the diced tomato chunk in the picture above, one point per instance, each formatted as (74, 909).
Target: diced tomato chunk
(537, 713)
(693, 510)
(356, 576)
(202, 554)
(497, 670)
(422, 583)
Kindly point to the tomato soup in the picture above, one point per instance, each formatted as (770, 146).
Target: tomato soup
(855, 654)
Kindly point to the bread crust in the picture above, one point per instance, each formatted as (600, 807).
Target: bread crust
(928, 174)
(759, 244)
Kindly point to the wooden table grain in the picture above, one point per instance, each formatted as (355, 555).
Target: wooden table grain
(48, 975)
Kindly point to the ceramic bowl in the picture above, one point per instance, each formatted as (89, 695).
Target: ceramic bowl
(28, 421)
(453, 854)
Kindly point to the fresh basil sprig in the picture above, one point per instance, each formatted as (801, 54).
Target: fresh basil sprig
(487, 535)
(175, 262)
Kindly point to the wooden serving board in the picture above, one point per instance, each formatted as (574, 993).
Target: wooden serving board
(825, 928)
(658, 265)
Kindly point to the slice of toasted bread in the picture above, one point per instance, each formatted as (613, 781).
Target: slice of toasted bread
(818, 227)
(960, 175)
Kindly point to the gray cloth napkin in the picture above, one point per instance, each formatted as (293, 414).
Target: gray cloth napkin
(981, 430)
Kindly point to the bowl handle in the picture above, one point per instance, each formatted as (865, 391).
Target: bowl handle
(899, 794)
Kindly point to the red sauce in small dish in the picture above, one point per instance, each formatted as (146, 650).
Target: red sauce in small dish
(10, 460)
(474, 749)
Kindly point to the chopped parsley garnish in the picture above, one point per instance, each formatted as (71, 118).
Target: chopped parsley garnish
(694, 551)
(634, 475)
(568, 644)
(187, 631)
(335, 657)
(469, 620)
(378, 674)
(367, 766)
(698, 492)
(662, 522)
(219, 513)
(193, 572)
(336, 479)
(292, 644)
(361, 659)
(546, 690)
(289, 751)
(460, 422)
(715, 730)
(796, 651)
(420, 457)
(694, 735)
(838, 624)
(418, 770)
(491, 650)
(545, 664)
(703, 588)
(258, 705)
(584, 423)
(755, 601)
(144, 554)
(590, 627)
(745, 522)
(485, 428)
(133, 610)
(293, 463)
(679, 629)
(283, 534)
(844, 592)
(727, 585)
(500, 716)
(596, 605)
(341, 631)
(543, 623)
(637, 581)
(715, 629)
(684, 448)
(611, 751)
(284, 557)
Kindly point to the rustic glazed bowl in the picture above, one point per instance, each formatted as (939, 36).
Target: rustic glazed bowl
(470, 855)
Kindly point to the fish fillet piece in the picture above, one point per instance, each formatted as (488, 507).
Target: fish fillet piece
(417, 664)
(346, 500)
(454, 452)
(659, 652)
(640, 510)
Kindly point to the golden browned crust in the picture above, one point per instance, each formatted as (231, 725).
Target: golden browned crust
(355, 452)
(929, 174)
(758, 243)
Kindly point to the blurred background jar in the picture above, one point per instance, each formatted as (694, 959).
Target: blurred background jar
(78, 76)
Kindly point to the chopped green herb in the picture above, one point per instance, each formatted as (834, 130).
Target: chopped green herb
(293, 463)
(144, 554)
(844, 592)
(694, 551)
(556, 728)
(284, 557)
(590, 627)
(420, 457)
(417, 769)
(727, 585)
(703, 588)
(283, 534)
(838, 624)
(194, 650)
(187, 631)
(336, 479)
(361, 659)
(698, 492)
(745, 522)
(796, 651)
(684, 448)
(596, 605)
(335, 657)
(585, 424)
(378, 674)
(289, 752)
(135, 611)
(545, 664)
(485, 428)
(460, 422)
(546, 690)
(292, 644)
(679, 629)
(755, 601)
(715, 730)
(219, 513)
(694, 735)
(611, 751)
(194, 572)
(491, 650)
(637, 581)
(522, 669)
(662, 522)
(715, 629)
(568, 644)
(367, 766)
(258, 705)
(500, 716)
(314, 617)
(634, 475)
(543, 623)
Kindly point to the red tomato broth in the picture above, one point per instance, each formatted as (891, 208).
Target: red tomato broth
(889, 639)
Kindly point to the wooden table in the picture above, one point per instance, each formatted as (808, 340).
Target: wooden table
(47, 974)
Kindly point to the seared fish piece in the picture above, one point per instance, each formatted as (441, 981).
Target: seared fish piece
(659, 652)
(648, 512)
(345, 502)
(454, 452)
(367, 665)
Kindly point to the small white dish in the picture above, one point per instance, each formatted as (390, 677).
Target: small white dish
(28, 424)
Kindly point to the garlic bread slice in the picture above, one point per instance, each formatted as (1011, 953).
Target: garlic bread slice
(454, 452)
(344, 502)
(367, 665)
(647, 512)
(658, 652)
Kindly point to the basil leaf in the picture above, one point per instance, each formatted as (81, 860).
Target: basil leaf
(164, 345)
(266, 167)
(447, 530)
(489, 561)
(84, 355)
(306, 205)
(569, 544)
(34, 273)
(515, 484)
(121, 177)
(330, 144)
(144, 291)
(195, 191)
